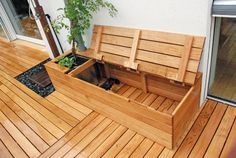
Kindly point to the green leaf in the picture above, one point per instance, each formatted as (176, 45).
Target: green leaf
(67, 62)
(79, 13)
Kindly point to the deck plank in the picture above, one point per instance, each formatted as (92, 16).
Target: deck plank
(60, 104)
(193, 134)
(142, 149)
(154, 151)
(11, 144)
(196, 130)
(40, 118)
(118, 146)
(72, 103)
(78, 137)
(6, 79)
(208, 133)
(23, 142)
(217, 143)
(34, 125)
(131, 146)
(28, 133)
(4, 152)
(98, 141)
(77, 129)
(88, 139)
(230, 145)
(108, 143)
(53, 118)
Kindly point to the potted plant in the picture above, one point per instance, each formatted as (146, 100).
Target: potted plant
(79, 13)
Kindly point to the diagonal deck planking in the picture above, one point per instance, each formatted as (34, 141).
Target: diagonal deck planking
(57, 126)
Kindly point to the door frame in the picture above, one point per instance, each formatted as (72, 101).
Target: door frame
(6, 21)
(13, 32)
(209, 61)
(13, 36)
(4, 30)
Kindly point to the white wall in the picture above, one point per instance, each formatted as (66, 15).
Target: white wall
(51, 7)
(185, 16)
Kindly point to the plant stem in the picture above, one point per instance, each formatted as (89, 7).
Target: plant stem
(73, 47)
(73, 39)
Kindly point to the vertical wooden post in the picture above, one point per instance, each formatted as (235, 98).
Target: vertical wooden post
(42, 18)
(185, 58)
(98, 43)
(107, 71)
(131, 64)
(144, 82)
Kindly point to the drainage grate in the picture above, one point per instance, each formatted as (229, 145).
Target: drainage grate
(37, 79)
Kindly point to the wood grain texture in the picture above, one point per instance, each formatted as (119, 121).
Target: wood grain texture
(213, 140)
(110, 113)
(208, 133)
(218, 142)
(185, 58)
(184, 113)
(151, 68)
(4, 152)
(82, 67)
(29, 123)
(141, 109)
(181, 52)
(201, 136)
(131, 63)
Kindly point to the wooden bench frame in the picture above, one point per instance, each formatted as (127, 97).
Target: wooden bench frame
(166, 129)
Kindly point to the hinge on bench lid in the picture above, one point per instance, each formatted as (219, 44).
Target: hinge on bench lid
(98, 57)
(131, 65)
(177, 83)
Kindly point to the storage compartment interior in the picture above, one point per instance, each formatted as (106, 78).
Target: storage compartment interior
(93, 74)
(160, 94)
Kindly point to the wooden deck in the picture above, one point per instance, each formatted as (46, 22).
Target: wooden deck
(57, 126)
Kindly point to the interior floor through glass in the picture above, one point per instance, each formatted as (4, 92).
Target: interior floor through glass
(223, 68)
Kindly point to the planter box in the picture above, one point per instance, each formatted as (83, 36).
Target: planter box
(155, 98)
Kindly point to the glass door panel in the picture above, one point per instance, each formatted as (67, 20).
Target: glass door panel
(19, 14)
(222, 83)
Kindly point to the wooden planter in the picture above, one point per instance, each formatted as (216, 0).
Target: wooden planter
(156, 98)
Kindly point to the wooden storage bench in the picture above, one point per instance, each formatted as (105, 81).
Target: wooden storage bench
(159, 90)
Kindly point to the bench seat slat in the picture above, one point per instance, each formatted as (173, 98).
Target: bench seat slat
(158, 53)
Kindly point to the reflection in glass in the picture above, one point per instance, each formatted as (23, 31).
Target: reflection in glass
(2, 32)
(19, 14)
(223, 68)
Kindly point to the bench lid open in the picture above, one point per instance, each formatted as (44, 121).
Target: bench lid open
(170, 55)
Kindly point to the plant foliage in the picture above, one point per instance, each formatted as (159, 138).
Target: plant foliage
(80, 14)
(67, 62)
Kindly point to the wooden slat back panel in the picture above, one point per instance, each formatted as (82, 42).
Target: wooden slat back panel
(170, 55)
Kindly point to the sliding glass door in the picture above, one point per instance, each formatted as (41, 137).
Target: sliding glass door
(223, 65)
(20, 15)
(222, 76)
